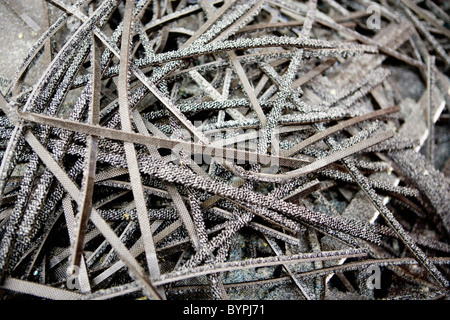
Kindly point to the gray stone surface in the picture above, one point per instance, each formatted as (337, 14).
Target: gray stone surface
(17, 37)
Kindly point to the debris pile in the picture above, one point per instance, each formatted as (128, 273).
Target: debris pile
(260, 149)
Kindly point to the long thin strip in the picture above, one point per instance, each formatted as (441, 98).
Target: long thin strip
(364, 264)
(358, 265)
(312, 73)
(310, 15)
(114, 292)
(310, 46)
(156, 23)
(252, 43)
(260, 227)
(429, 109)
(130, 151)
(207, 8)
(190, 147)
(257, 263)
(269, 25)
(91, 157)
(82, 276)
(248, 89)
(316, 164)
(340, 126)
